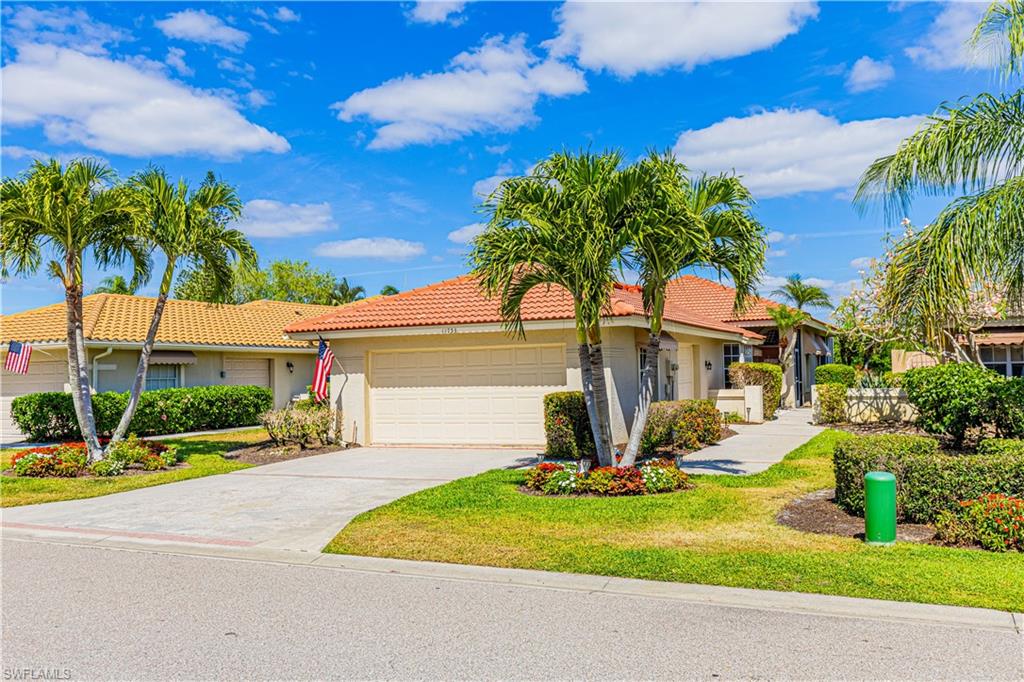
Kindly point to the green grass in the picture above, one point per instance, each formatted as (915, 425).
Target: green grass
(723, 532)
(204, 454)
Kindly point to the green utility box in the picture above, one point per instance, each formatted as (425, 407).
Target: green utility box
(879, 508)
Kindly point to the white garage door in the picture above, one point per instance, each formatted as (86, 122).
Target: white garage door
(240, 370)
(685, 372)
(471, 396)
(43, 375)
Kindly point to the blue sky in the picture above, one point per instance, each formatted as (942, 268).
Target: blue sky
(361, 134)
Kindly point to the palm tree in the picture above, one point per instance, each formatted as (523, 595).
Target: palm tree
(787, 320)
(345, 293)
(388, 290)
(189, 228)
(62, 212)
(976, 147)
(681, 222)
(562, 225)
(801, 294)
(115, 284)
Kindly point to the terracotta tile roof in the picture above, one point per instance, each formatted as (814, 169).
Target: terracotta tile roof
(121, 318)
(460, 301)
(715, 300)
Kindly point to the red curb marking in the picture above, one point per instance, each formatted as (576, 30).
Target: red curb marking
(134, 534)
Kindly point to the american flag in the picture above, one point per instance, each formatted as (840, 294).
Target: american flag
(324, 360)
(18, 355)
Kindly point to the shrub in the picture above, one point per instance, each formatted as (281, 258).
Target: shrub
(129, 451)
(682, 424)
(1001, 446)
(301, 427)
(732, 418)
(63, 461)
(107, 467)
(567, 426)
(996, 522)
(661, 476)
(762, 374)
(928, 482)
(950, 398)
(1007, 405)
(892, 379)
(51, 416)
(831, 403)
(835, 373)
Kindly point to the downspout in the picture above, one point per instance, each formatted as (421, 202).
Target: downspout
(96, 367)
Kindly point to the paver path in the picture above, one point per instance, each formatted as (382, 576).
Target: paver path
(298, 505)
(756, 446)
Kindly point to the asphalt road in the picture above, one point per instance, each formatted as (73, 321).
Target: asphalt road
(92, 613)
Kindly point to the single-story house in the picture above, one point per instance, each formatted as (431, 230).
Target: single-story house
(1000, 345)
(198, 344)
(434, 366)
(813, 344)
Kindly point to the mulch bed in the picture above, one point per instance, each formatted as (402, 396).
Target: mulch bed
(269, 453)
(818, 513)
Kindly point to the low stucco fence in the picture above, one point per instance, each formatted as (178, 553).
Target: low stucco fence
(747, 402)
(870, 405)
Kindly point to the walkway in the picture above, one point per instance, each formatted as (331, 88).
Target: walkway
(756, 446)
(295, 505)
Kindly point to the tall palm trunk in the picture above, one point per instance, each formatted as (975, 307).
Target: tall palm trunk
(78, 372)
(586, 375)
(601, 406)
(647, 380)
(147, 351)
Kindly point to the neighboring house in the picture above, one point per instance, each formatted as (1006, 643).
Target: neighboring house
(1000, 344)
(434, 365)
(813, 345)
(199, 344)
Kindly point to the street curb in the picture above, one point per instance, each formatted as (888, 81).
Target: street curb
(734, 597)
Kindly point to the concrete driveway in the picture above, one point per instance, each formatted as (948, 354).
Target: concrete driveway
(297, 505)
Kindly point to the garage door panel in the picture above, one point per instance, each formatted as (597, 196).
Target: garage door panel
(246, 371)
(472, 396)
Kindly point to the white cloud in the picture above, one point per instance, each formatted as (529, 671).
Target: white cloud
(466, 233)
(176, 60)
(868, 74)
(944, 45)
(498, 149)
(786, 151)
(60, 26)
(408, 202)
(436, 12)
(236, 66)
(769, 282)
(257, 99)
(201, 27)
(776, 253)
(286, 15)
(819, 282)
(124, 107)
(18, 152)
(269, 218)
(387, 248)
(627, 38)
(493, 87)
(862, 262)
(483, 188)
(774, 237)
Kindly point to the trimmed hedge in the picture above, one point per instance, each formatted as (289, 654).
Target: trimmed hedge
(51, 416)
(951, 398)
(682, 424)
(835, 373)
(1001, 446)
(831, 403)
(1007, 405)
(928, 482)
(567, 426)
(763, 374)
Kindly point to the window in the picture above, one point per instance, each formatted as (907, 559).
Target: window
(162, 376)
(731, 354)
(1007, 360)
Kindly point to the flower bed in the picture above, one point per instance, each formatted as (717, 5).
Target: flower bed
(996, 522)
(647, 478)
(71, 460)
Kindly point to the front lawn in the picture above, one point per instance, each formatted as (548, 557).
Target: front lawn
(723, 532)
(204, 456)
